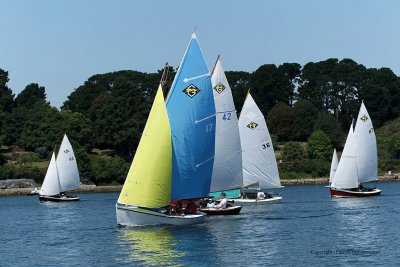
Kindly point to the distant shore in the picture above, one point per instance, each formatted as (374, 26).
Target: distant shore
(117, 188)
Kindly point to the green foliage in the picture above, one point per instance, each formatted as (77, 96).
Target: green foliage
(18, 172)
(305, 168)
(30, 95)
(388, 138)
(304, 117)
(280, 121)
(328, 124)
(319, 146)
(293, 151)
(108, 170)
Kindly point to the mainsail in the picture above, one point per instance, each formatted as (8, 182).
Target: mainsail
(191, 111)
(67, 167)
(227, 172)
(258, 157)
(148, 183)
(367, 157)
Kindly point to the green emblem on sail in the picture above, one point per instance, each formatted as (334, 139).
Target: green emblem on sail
(364, 118)
(252, 125)
(191, 90)
(219, 88)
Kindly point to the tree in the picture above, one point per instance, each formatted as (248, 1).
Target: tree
(30, 95)
(292, 151)
(6, 96)
(319, 146)
(280, 121)
(327, 123)
(304, 117)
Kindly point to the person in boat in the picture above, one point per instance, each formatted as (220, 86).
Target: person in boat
(179, 209)
(191, 207)
(222, 203)
(242, 196)
(260, 195)
(360, 188)
(210, 204)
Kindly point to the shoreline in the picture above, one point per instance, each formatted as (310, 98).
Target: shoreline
(117, 188)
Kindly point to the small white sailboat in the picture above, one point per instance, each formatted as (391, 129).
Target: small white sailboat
(359, 161)
(258, 156)
(173, 161)
(62, 175)
(334, 164)
(227, 173)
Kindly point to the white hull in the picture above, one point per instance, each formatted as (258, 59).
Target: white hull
(135, 216)
(250, 202)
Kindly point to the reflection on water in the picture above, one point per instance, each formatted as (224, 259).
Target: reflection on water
(153, 246)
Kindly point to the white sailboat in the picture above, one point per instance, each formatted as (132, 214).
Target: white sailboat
(258, 157)
(227, 173)
(334, 164)
(62, 175)
(359, 161)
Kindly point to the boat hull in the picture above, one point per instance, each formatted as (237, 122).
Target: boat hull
(250, 202)
(58, 198)
(232, 210)
(336, 192)
(136, 216)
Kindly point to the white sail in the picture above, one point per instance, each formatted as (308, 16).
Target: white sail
(367, 157)
(334, 165)
(346, 173)
(67, 167)
(258, 157)
(227, 171)
(51, 183)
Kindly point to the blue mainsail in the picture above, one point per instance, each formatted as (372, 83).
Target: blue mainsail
(191, 111)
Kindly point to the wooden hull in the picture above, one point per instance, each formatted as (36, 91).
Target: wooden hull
(233, 210)
(58, 198)
(336, 192)
(136, 216)
(250, 202)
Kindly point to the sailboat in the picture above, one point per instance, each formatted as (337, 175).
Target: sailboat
(334, 164)
(173, 161)
(258, 157)
(359, 161)
(227, 172)
(62, 175)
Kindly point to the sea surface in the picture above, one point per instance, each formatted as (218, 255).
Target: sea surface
(307, 228)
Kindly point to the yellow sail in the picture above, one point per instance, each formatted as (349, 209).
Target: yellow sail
(148, 183)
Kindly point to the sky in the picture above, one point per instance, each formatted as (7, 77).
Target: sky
(60, 44)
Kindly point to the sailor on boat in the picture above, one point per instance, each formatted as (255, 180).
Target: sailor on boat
(222, 204)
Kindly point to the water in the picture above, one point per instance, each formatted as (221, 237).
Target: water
(307, 229)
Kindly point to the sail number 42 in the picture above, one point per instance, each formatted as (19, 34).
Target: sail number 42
(227, 116)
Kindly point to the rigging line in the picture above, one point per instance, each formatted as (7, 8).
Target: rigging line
(206, 118)
(219, 112)
(198, 165)
(197, 77)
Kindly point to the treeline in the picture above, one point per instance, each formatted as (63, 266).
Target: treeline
(109, 111)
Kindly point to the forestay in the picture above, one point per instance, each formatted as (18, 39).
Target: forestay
(191, 111)
(258, 157)
(227, 171)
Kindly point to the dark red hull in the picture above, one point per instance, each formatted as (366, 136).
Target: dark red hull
(233, 210)
(335, 192)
